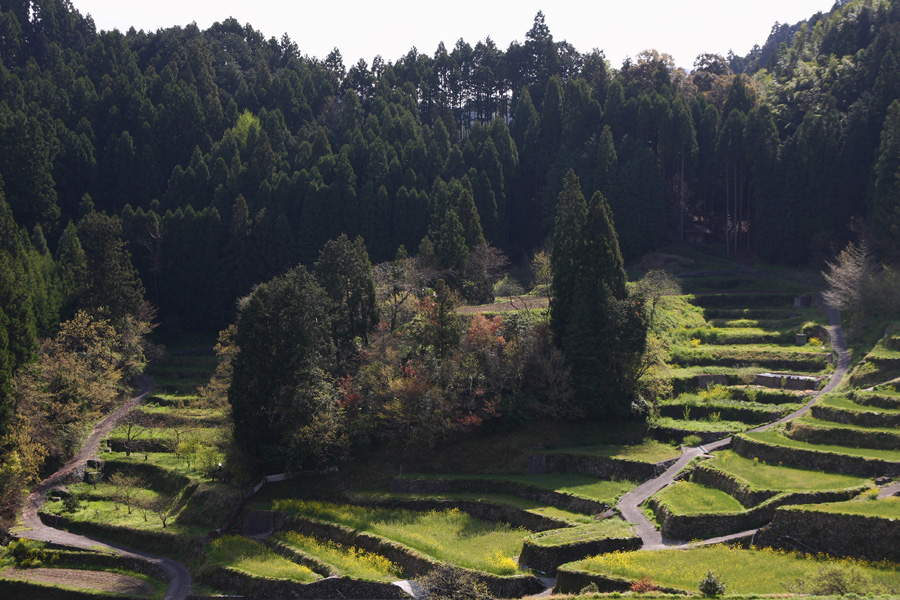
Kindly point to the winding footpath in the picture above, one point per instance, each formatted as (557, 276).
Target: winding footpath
(179, 578)
(630, 504)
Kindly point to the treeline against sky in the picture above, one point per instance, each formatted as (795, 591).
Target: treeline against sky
(221, 158)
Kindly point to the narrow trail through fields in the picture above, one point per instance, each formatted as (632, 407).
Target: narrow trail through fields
(630, 504)
(179, 578)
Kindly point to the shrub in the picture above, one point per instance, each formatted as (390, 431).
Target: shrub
(643, 585)
(692, 440)
(834, 580)
(449, 583)
(28, 553)
(711, 586)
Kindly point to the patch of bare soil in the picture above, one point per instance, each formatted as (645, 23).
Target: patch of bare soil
(100, 581)
(508, 305)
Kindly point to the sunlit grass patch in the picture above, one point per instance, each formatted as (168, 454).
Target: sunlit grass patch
(605, 528)
(447, 535)
(350, 561)
(743, 571)
(868, 506)
(649, 451)
(763, 476)
(685, 498)
(247, 555)
(774, 437)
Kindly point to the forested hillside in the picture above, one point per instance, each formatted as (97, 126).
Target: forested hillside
(184, 167)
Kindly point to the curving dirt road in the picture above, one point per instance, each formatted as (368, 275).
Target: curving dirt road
(179, 578)
(629, 505)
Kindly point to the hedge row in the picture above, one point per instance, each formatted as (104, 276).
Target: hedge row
(841, 436)
(765, 395)
(412, 562)
(814, 459)
(487, 486)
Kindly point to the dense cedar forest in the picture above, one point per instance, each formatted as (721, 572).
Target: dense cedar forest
(162, 175)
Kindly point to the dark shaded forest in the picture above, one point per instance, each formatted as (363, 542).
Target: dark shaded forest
(184, 167)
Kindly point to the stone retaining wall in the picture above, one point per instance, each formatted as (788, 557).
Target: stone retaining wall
(412, 563)
(485, 486)
(572, 581)
(605, 468)
(664, 434)
(854, 438)
(815, 459)
(856, 417)
(547, 559)
(731, 485)
(480, 509)
(252, 586)
(708, 525)
(870, 538)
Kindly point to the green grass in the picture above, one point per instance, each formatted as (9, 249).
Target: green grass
(598, 530)
(888, 508)
(685, 498)
(763, 476)
(105, 512)
(349, 561)
(835, 425)
(251, 557)
(743, 571)
(576, 484)
(700, 426)
(538, 508)
(166, 460)
(449, 535)
(774, 437)
(841, 401)
(649, 451)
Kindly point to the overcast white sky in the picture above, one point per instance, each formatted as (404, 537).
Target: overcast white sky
(362, 29)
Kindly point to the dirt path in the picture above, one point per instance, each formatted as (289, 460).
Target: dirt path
(630, 504)
(179, 578)
(95, 581)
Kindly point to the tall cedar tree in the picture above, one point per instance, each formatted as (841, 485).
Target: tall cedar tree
(279, 386)
(345, 273)
(601, 331)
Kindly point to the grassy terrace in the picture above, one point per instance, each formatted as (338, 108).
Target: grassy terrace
(531, 506)
(606, 528)
(109, 513)
(769, 356)
(685, 498)
(763, 476)
(693, 425)
(348, 561)
(774, 437)
(648, 452)
(807, 420)
(743, 571)
(840, 401)
(888, 508)
(583, 486)
(251, 557)
(450, 536)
